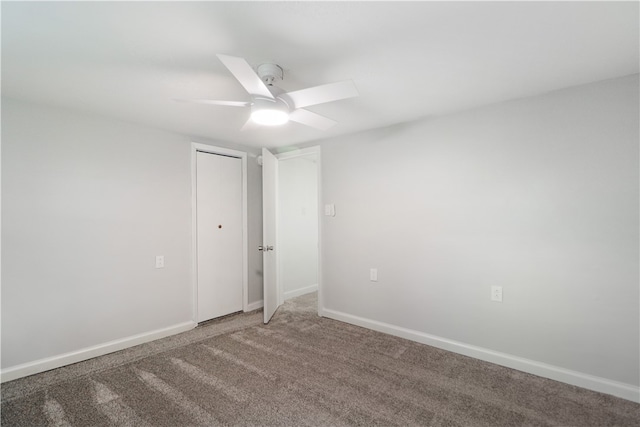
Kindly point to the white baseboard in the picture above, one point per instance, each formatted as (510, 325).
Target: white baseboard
(591, 382)
(254, 305)
(301, 291)
(53, 362)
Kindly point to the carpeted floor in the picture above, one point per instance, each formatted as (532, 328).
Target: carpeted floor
(300, 370)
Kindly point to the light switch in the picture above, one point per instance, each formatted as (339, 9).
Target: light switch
(373, 274)
(330, 210)
(160, 261)
(496, 293)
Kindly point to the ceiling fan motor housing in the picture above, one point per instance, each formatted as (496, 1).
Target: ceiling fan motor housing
(270, 73)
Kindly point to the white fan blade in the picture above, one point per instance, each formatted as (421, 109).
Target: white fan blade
(249, 125)
(321, 94)
(242, 71)
(214, 102)
(309, 118)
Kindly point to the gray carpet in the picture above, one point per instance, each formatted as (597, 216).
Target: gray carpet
(300, 370)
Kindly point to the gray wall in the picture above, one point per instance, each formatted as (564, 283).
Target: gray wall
(87, 204)
(538, 195)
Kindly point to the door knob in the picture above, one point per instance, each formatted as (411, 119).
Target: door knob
(265, 248)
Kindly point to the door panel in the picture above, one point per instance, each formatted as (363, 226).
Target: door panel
(269, 198)
(219, 235)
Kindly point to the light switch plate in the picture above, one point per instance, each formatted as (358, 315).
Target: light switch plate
(160, 261)
(496, 293)
(330, 210)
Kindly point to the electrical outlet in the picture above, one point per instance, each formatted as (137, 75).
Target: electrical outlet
(496, 293)
(160, 261)
(373, 274)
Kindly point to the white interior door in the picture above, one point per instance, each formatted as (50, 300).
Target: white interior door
(219, 235)
(269, 244)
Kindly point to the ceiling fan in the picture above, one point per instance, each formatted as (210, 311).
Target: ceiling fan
(270, 105)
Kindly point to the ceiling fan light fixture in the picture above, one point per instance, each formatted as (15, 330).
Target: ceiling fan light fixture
(270, 117)
(269, 113)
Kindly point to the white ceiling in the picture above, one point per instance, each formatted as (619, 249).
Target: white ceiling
(128, 60)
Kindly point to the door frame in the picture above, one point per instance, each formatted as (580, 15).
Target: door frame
(304, 152)
(205, 148)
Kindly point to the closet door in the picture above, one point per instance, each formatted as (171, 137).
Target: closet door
(219, 235)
